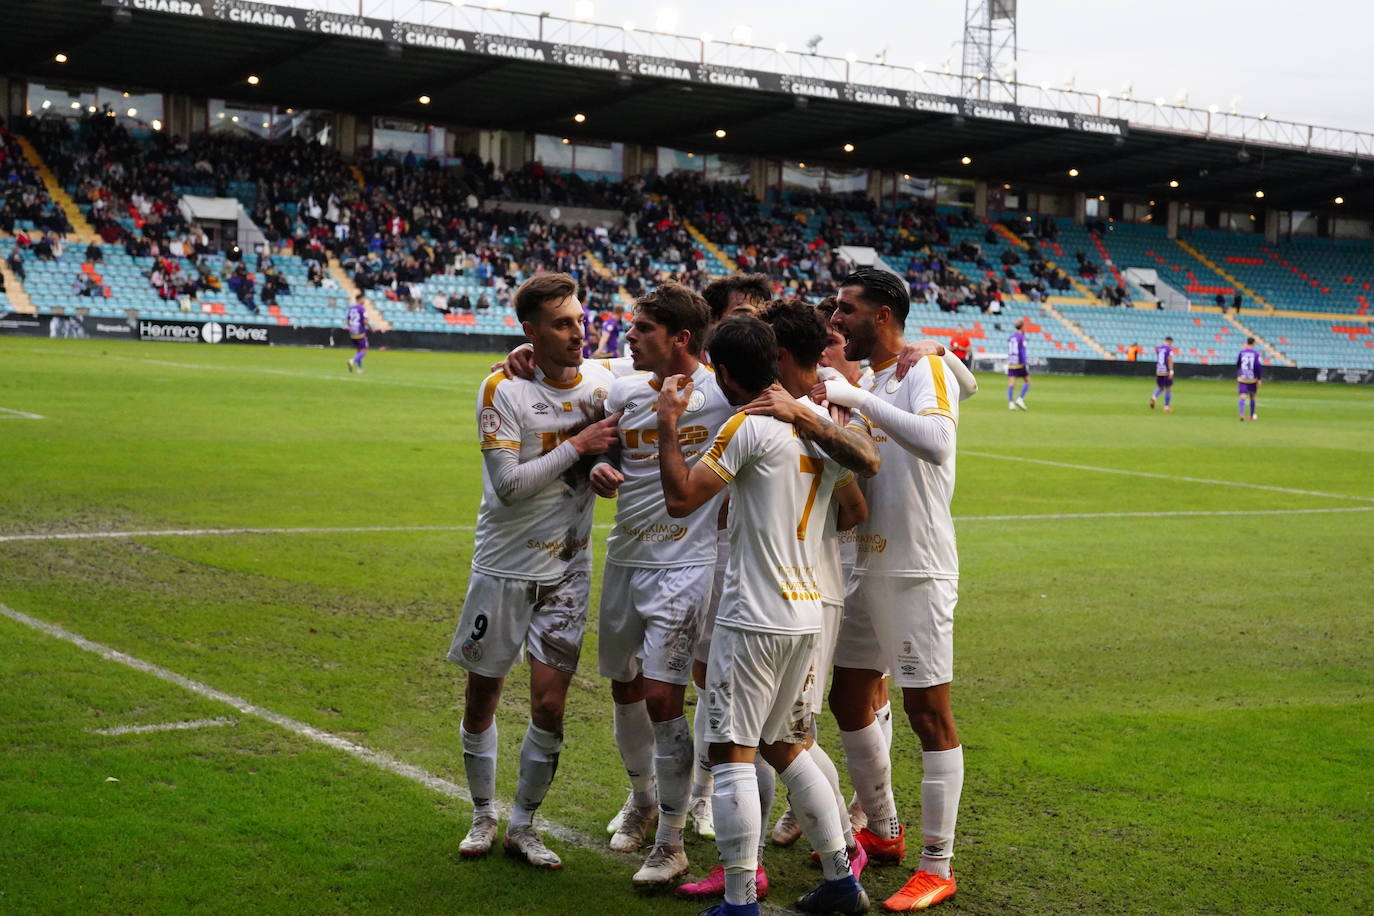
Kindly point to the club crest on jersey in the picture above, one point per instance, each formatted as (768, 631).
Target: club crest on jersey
(696, 401)
(489, 421)
(892, 385)
(599, 396)
(472, 650)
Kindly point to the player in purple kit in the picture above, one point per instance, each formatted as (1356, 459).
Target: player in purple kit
(609, 345)
(357, 330)
(1249, 373)
(1017, 368)
(1164, 374)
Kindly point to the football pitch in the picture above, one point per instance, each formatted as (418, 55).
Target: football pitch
(1163, 676)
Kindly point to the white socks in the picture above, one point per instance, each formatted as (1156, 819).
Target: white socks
(816, 806)
(735, 802)
(768, 788)
(634, 736)
(673, 764)
(538, 763)
(870, 769)
(832, 776)
(479, 763)
(884, 717)
(940, 788)
(701, 759)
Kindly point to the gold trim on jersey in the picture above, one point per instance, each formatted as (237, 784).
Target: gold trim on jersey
(715, 466)
(489, 387)
(489, 444)
(562, 386)
(656, 383)
(727, 432)
(937, 372)
(882, 365)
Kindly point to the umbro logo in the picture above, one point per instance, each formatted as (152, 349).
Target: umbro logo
(541, 407)
(631, 406)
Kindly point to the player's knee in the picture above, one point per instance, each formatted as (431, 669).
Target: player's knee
(546, 709)
(664, 701)
(930, 717)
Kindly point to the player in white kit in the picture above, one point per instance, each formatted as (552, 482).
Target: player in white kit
(900, 616)
(658, 575)
(531, 562)
(760, 675)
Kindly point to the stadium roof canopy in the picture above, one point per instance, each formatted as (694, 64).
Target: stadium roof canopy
(345, 63)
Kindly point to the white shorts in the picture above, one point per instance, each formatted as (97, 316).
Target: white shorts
(649, 620)
(825, 651)
(900, 625)
(499, 615)
(708, 623)
(759, 687)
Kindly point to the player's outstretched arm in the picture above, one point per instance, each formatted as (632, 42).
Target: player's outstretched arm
(519, 363)
(968, 382)
(929, 437)
(850, 504)
(684, 490)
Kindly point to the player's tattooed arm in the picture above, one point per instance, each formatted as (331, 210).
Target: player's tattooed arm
(854, 450)
(684, 489)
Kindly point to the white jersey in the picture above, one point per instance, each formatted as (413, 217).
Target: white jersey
(544, 536)
(831, 573)
(780, 486)
(619, 366)
(645, 536)
(909, 530)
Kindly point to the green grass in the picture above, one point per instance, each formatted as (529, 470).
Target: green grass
(1161, 714)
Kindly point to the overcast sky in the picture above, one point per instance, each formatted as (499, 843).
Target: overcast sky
(1306, 61)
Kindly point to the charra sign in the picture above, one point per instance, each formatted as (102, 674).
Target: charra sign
(247, 12)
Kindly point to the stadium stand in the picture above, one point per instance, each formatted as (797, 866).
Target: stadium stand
(441, 248)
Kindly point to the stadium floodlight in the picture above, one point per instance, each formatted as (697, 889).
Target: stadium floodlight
(566, 141)
(1182, 98)
(1173, 183)
(124, 95)
(583, 10)
(966, 160)
(781, 47)
(666, 21)
(220, 115)
(741, 34)
(707, 38)
(1104, 93)
(849, 147)
(1102, 198)
(1259, 195)
(579, 117)
(290, 111)
(851, 56)
(1159, 101)
(906, 176)
(628, 25)
(801, 165)
(691, 155)
(47, 103)
(253, 79)
(157, 124)
(1073, 173)
(920, 66)
(720, 133)
(132, 112)
(60, 57)
(90, 109)
(1340, 200)
(1264, 116)
(1214, 108)
(424, 100)
(235, 119)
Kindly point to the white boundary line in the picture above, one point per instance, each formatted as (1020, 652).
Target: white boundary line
(164, 727)
(1178, 477)
(354, 529)
(379, 759)
(9, 413)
